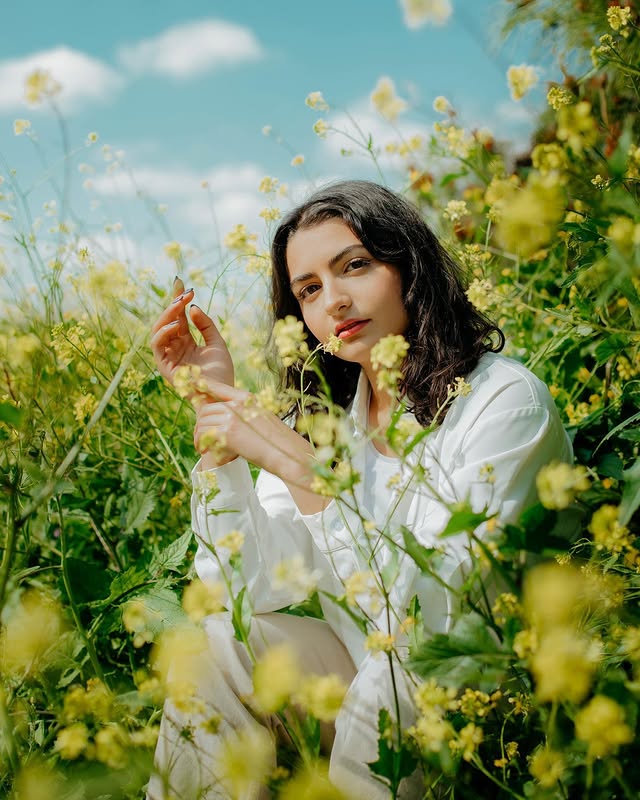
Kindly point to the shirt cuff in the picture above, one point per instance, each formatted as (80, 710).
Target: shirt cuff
(233, 481)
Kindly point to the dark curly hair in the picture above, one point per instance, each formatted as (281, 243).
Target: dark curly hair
(446, 333)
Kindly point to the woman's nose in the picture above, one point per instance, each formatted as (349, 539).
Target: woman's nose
(336, 299)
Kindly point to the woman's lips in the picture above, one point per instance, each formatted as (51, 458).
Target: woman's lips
(352, 328)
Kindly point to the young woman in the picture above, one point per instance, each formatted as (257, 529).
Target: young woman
(356, 262)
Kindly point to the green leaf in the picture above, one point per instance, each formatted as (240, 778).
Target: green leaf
(464, 519)
(610, 346)
(419, 553)
(241, 615)
(88, 581)
(630, 493)
(341, 602)
(11, 415)
(467, 655)
(163, 609)
(125, 584)
(394, 763)
(416, 633)
(173, 556)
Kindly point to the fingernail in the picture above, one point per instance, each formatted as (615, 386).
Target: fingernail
(177, 299)
(175, 280)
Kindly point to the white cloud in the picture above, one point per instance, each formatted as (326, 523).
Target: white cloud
(164, 183)
(82, 77)
(192, 48)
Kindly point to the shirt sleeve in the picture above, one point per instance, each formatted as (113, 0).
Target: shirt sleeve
(269, 520)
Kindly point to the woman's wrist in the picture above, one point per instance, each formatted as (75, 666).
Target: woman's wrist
(210, 461)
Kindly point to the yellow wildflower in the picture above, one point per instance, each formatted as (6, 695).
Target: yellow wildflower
(270, 214)
(618, 18)
(275, 677)
(322, 696)
(422, 12)
(601, 724)
(232, 542)
(558, 483)
(111, 746)
(608, 533)
(289, 336)
(558, 96)
(480, 294)
(320, 128)
(20, 126)
(430, 731)
(549, 158)
(268, 185)
(72, 741)
(379, 642)
(467, 740)
(361, 589)
(576, 126)
(240, 240)
(625, 233)
(30, 634)
(311, 783)
(84, 407)
(387, 355)
(521, 79)
(38, 85)
(316, 101)
(179, 651)
(297, 161)
(563, 667)
(441, 105)
(174, 251)
(455, 210)
(386, 101)
(201, 598)
(292, 575)
(140, 620)
(551, 595)
(547, 767)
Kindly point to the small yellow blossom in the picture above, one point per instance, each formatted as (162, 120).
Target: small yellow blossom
(563, 666)
(608, 533)
(111, 746)
(467, 741)
(20, 126)
(30, 634)
(599, 182)
(379, 642)
(203, 597)
(84, 407)
(558, 96)
(316, 101)
(232, 542)
(554, 595)
(322, 696)
(332, 345)
(481, 294)
(297, 161)
(311, 782)
(276, 677)
(174, 251)
(293, 575)
(38, 85)
(441, 105)
(289, 336)
(455, 210)
(547, 767)
(270, 214)
(386, 101)
(361, 589)
(320, 128)
(422, 12)
(576, 126)
(455, 139)
(387, 356)
(601, 724)
(139, 619)
(618, 18)
(625, 233)
(268, 185)
(549, 158)
(558, 483)
(240, 240)
(72, 741)
(505, 606)
(521, 79)
(459, 388)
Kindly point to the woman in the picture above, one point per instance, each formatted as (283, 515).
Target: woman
(358, 263)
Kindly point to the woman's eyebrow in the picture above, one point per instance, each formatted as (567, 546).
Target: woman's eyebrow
(331, 263)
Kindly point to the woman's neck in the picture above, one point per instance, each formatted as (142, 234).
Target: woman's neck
(382, 404)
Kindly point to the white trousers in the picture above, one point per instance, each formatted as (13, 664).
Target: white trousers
(187, 753)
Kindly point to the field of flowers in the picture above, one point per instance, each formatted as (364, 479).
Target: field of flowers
(533, 694)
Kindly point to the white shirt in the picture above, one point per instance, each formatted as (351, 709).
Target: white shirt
(508, 421)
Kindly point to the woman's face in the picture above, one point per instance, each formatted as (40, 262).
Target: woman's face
(342, 289)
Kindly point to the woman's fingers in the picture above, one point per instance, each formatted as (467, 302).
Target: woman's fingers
(205, 325)
(175, 311)
(178, 286)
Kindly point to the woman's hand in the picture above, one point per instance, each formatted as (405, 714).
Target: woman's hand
(173, 344)
(229, 423)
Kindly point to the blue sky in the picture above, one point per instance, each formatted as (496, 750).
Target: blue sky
(180, 92)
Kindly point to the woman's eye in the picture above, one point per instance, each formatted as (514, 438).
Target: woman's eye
(357, 263)
(307, 291)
